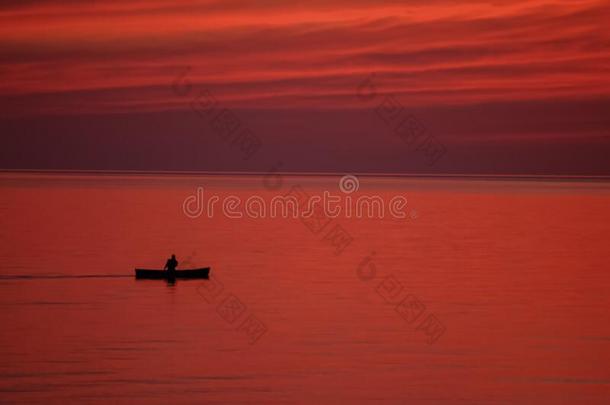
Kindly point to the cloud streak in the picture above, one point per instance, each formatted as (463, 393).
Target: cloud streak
(258, 50)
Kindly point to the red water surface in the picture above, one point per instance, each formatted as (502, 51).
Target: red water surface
(515, 273)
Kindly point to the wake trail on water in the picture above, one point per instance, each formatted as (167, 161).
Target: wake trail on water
(60, 276)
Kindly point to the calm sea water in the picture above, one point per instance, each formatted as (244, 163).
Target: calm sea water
(487, 293)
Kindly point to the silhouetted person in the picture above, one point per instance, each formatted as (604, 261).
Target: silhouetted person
(171, 265)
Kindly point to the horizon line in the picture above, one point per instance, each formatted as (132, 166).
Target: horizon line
(470, 176)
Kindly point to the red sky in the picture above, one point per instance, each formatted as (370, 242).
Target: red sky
(507, 87)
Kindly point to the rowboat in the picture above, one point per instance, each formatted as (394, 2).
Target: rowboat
(162, 274)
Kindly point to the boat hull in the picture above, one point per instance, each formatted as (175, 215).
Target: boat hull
(162, 274)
